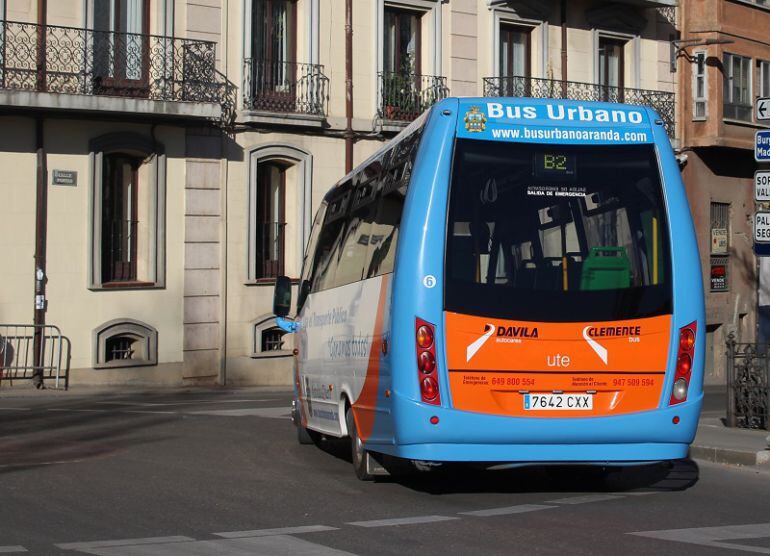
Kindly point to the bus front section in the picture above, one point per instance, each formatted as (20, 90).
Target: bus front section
(572, 296)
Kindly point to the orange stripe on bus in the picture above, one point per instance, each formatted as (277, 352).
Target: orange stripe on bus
(364, 407)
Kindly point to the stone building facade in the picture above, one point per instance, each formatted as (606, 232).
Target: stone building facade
(201, 136)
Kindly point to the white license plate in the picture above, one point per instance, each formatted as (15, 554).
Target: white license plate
(557, 402)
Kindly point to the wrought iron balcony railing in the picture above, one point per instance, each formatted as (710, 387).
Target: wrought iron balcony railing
(83, 61)
(662, 102)
(405, 96)
(286, 87)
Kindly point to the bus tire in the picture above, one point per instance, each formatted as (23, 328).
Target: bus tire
(357, 452)
(306, 436)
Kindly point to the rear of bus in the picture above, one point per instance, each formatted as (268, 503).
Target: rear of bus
(547, 291)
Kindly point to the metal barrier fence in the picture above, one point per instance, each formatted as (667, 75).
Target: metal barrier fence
(748, 385)
(27, 348)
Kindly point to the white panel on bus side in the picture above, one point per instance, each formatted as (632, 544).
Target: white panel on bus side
(335, 338)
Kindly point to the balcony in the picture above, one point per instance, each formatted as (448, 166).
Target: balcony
(149, 74)
(403, 97)
(660, 101)
(285, 88)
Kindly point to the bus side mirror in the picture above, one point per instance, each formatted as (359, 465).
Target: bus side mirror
(282, 296)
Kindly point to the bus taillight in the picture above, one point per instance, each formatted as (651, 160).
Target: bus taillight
(684, 358)
(426, 362)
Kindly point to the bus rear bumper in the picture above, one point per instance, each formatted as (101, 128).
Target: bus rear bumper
(465, 436)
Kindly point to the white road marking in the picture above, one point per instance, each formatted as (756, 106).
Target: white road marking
(121, 542)
(279, 531)
(585, 499)
(402, 521)
(12, 549)
(276, 545)
(15, 409)
(520, 509)
(268, 412)
(714, 536)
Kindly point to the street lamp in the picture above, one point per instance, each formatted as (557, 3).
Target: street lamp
(679, 47)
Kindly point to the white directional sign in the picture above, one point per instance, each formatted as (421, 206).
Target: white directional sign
(762, 227)
(762, 185)
(762, 109)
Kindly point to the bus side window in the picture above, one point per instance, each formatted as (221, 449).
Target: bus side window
(353, 254)
(307, 263)
(330, 240)
(384, 235)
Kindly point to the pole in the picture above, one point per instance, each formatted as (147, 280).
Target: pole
(348, 85)
(41, 220)
(564, 48)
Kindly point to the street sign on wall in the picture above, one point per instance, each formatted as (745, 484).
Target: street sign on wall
(762, 146)
(762, 109)
(762, 185)
(762, 227)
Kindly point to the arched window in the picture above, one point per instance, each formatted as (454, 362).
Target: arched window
(268, 340)
(128, 215)
(279, 178)
(125, 343)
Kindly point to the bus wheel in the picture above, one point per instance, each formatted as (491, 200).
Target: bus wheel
(358, 454)
(306, 436)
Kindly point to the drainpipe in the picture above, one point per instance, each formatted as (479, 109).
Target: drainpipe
(564, 48)
(41, 219)
(41, 210)
(348, 85)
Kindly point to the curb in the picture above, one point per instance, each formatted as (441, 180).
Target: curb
(726, 455)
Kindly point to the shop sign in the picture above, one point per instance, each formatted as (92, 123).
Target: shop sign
(719, 241)
(718, 277)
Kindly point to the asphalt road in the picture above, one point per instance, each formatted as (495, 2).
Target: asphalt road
(220, 472)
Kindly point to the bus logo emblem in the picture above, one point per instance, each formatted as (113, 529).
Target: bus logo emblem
(471, 350)
(475, 120)
(600, 350)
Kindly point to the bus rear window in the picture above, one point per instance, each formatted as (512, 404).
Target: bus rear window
(557, 232)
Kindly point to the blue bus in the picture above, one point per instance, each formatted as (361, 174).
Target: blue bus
(507, 280)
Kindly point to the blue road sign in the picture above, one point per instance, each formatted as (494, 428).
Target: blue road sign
(762, 146)
(762, 249)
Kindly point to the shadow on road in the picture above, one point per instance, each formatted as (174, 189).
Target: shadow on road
(57, 433)
(490, 478)
(457, 478)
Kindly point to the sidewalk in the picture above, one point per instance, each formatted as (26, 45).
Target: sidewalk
(720, 444)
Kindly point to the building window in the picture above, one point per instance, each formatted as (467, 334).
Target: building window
(699, 86)
(273, 49)
(515, 48)
(720, 246)
(737, 87)
(120, 220)
(120, 348)
(271, 224)
(764, 78)
(127, 212)
(268, 340)
(402, 39)
(279, 215)
(125, 343)
(515, 65)
(272, 339)
(611, 69)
